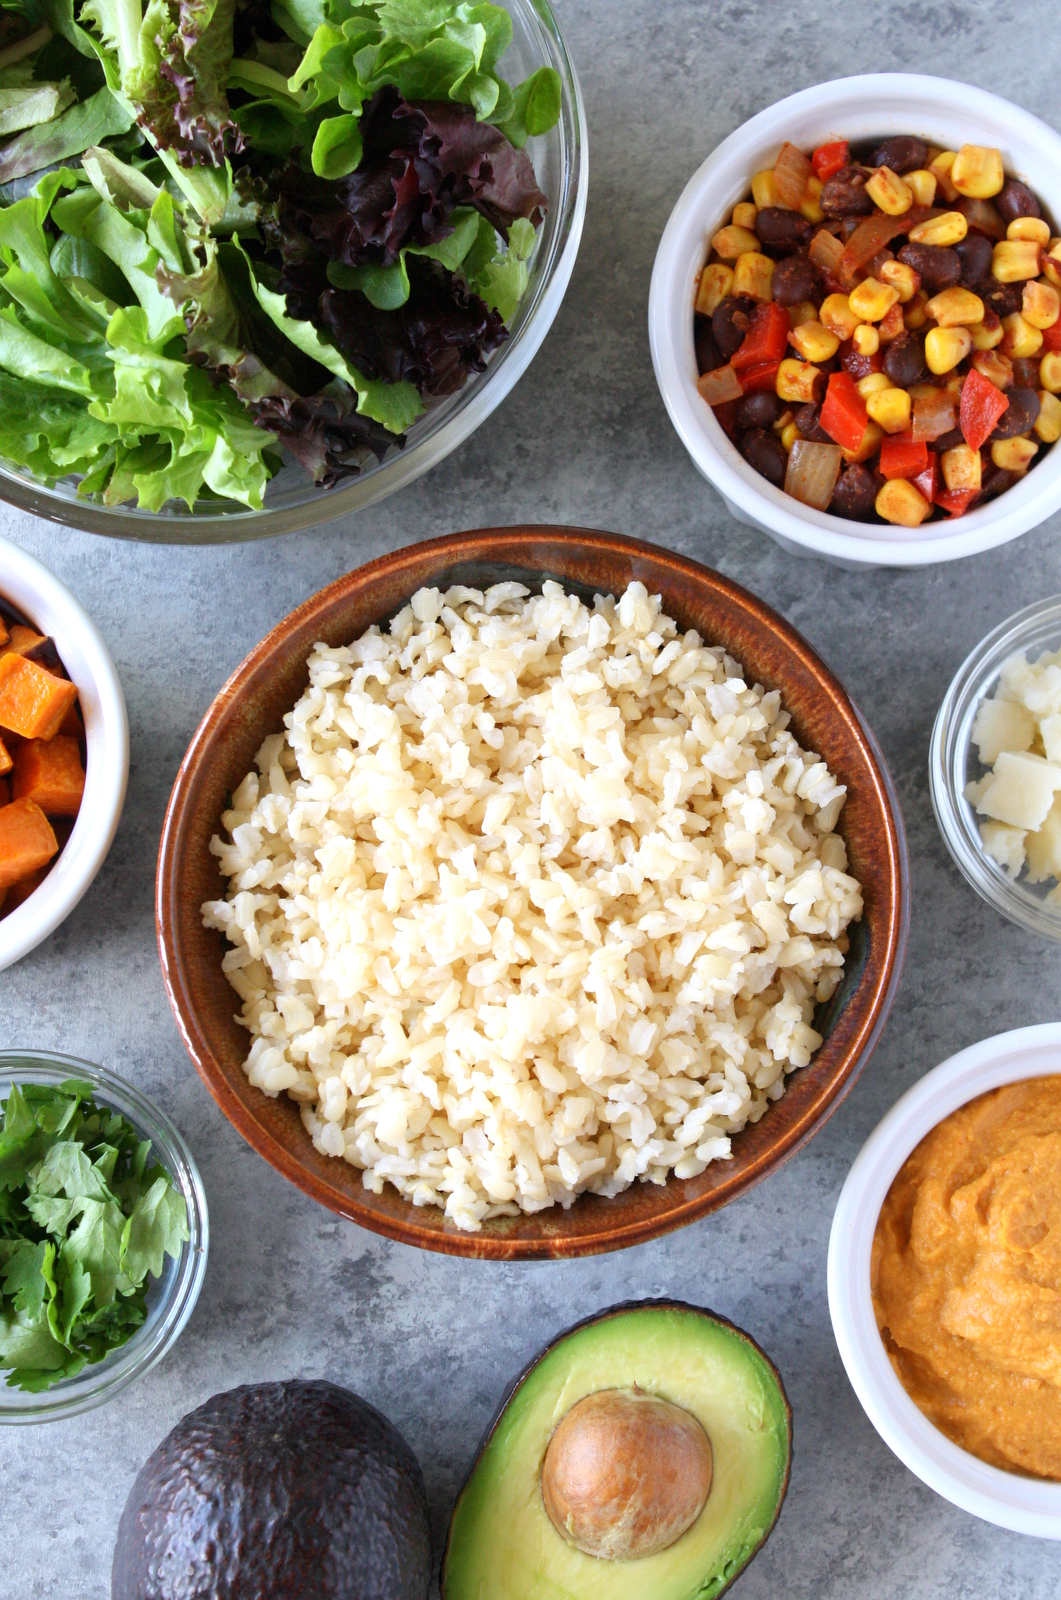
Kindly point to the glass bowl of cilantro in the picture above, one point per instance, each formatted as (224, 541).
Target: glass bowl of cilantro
(263, 262)
(103, 1235)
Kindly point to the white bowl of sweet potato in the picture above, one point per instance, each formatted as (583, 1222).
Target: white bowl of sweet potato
(64, 752)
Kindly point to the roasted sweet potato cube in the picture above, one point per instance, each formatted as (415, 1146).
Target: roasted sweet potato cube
(21, 639)
(6, 761)
(73, 724)
(32, 701)
(50, 772)
(24, 888)
(27, 841)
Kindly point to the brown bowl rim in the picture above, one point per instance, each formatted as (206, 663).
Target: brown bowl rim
(874, 995)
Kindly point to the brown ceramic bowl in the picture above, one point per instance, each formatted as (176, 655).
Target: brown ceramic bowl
(252, 705)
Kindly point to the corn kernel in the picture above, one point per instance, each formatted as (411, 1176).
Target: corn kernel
(922, 391)
(1033, 228)
(953, 384)
(914, 314)
(997, 369)
(922, 185)
(1014, 259)
(873, 383)
(987, 334)
(956, 308)
(901, 503)
(1042, 304)
(870, 444)
(787, 416)
(890, 409)
(940, 169)
(797, 380)
(764, 189)
(1019, 338)
(789, 435)
(977, 171)
(804, 312)
(903, 279)
(950, 227)
(961, 468)
(870, 300)
(1050, 372)
(752, 272)
(731, 242)
(1048, 422)
(866, 339)
(891, 324)
(888, 191)
(716, 282)
(945, 347)
(1013, 455)
(1052, 263)
(810, 205)
(744, 215)
(836, 315)
(814, 342)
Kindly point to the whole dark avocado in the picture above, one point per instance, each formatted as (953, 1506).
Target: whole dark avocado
(277, 1491)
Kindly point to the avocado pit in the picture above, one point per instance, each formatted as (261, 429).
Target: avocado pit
(625, 1474)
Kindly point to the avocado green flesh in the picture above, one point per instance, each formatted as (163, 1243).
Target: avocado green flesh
(502, 1545)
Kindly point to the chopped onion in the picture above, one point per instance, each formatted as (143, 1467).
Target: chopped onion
(825, 251)
(719, 386)
(868, 239)
(984, 217)
(791, 171)
(812, 473)
(934, 415)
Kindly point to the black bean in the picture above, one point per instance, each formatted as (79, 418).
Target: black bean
(855, 493)
(901, 154)
(938, 266)
(1026, 372)
(780, 231)
(904, 359)
(795, 279)
(975, 254)
(757, 411)
(994, 481)
(845, 194)
(708, 355)
(1021, 415)
(949, 441)
(1003, 298)
(1017, 200)
(765, 452)
(729, 323)
(808, 424)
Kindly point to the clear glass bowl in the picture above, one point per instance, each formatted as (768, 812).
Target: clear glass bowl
(953, 761)
(291, 500)
(170, 1298)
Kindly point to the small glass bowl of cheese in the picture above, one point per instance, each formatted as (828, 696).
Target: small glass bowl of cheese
(995, 768)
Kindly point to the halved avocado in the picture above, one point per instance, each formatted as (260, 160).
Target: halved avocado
(502, 1544)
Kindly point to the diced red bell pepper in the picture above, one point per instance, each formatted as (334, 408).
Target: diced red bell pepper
(927, 482)
(1052, 336)
(844, 416)
(828, 159)
(955, 501)
(760, 377)
(766, 338)
(903, 456)
(981, 406)
(726, 417)
(856, 363)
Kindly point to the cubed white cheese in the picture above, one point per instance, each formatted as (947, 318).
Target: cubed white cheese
(1044, 847)
(1043, 695)
(1050, 733)
(1017, 675)
(1021, 790)
(1002, 725)
(1004, 845)
(975, 788)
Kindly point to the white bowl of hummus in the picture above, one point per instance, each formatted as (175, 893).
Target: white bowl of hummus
(945, 1279)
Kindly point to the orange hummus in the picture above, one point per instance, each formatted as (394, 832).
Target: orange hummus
(966, 1276)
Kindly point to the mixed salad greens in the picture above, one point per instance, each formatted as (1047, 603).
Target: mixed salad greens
(84, 1218)
(231, 227)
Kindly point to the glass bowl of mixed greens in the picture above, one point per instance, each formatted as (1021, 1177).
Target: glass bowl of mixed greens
(103, 1235)
(263, 262)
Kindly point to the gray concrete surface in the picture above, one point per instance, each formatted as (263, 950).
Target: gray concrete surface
(291, 1289)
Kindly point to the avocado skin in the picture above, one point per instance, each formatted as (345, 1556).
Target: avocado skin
(663, 1303)
(277, 1491)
